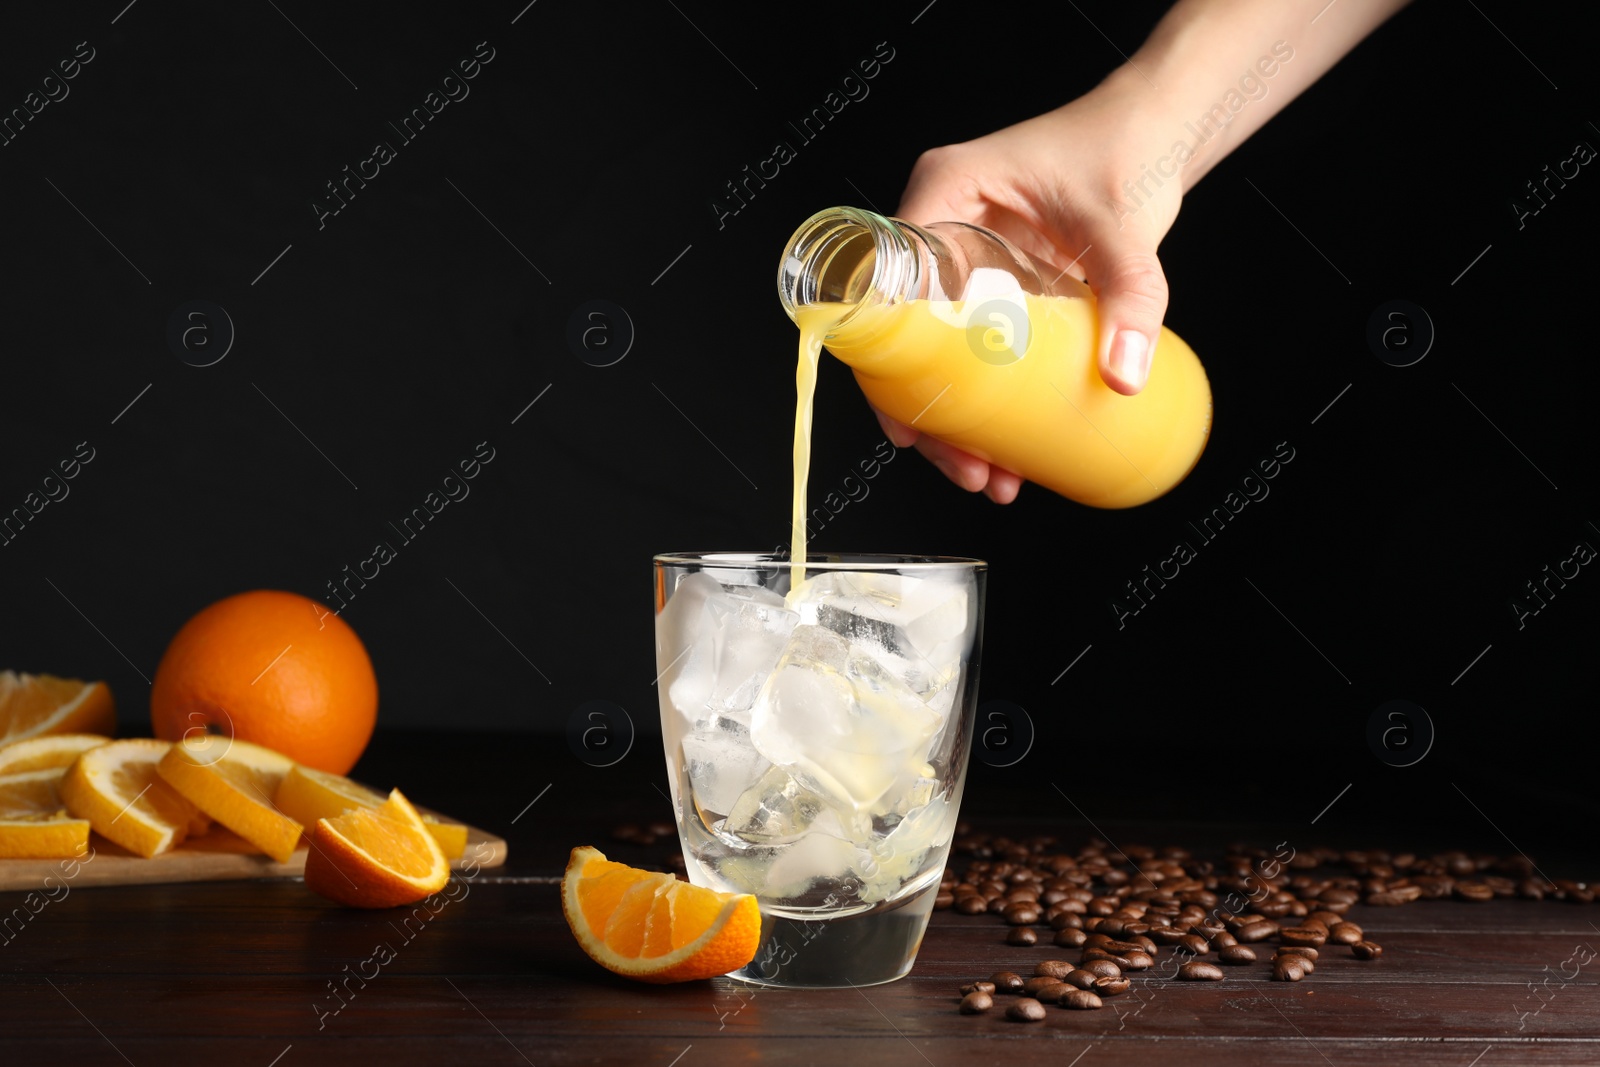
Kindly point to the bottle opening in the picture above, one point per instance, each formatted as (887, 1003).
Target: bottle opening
(845, 256)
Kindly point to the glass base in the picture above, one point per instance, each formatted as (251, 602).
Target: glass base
(860, 950)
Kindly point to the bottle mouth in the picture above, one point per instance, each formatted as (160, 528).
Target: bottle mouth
(848, 257)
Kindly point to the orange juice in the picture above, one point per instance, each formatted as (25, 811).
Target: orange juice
(1043, 413)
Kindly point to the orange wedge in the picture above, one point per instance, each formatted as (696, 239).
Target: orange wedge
(379, 857)
(652, 927)
(47, 752)
(307, 794)
(35, 704)
(234, 782)
(34, 824)
(115, 786)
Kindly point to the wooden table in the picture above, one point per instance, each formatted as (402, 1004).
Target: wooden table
(246, 973)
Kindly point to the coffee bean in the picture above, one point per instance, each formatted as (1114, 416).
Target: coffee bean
(1041, 988)
(1168, 935)
(1121, 948)
(1304, 935)
(1137, 961)
(1065, 920)
(975, 1002)
(1345, 933)
(1007, 981)
(662, 829)
(1070, 938)
(1256, 931)
(1474, 891)
(972, 904)
(1288, 969)
(1194, 943)
(1111, 987)
(1081, 979)
(943, 900)
(1305, 965)
(1025, 1010)
(1080, 999)
(1223, 940)
(1021, 935)
(1329, 919)
(1102, 954)
(1198, 971)
(977, 987)
(1236, 954)
(1103, 968)
(1366, 950)
(1023, 914)
(1304, 951)
(1052, 968)
(1394, 895)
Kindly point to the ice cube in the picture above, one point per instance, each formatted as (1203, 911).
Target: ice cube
(921, 619)
(843, 725)
(715, 646)
(776, 810)
(796, 868)
(683, 639)
(750, 636)
(722, 765)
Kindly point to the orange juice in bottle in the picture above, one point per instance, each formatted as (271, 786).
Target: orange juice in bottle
(952, 330)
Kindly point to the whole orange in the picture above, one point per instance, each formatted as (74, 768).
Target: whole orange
(273, 668)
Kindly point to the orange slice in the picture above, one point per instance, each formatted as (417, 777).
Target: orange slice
(650, 926)
(234, 782)
(34, 824)
(35, 704)
(379, 857)
(47, 752)
(115, 786)
(307, 794)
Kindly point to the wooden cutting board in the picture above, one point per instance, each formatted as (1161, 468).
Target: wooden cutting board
(215, 857)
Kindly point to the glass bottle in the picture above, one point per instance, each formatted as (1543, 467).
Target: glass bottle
(954, 331)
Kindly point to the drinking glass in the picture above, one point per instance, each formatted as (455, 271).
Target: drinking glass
(816, 719)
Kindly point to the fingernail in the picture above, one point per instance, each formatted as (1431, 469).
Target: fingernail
(1130, 357)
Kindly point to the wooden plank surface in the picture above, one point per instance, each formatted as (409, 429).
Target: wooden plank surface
(251, 971)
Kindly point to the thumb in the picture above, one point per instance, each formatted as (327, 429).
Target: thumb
(1131, 292)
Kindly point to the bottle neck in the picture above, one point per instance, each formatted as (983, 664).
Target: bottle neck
(844, 262)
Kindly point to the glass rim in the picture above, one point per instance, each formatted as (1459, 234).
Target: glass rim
(822, 561)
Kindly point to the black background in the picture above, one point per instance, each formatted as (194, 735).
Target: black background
(414, 324)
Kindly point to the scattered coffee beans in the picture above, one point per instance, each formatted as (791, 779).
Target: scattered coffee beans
(1122, 907)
